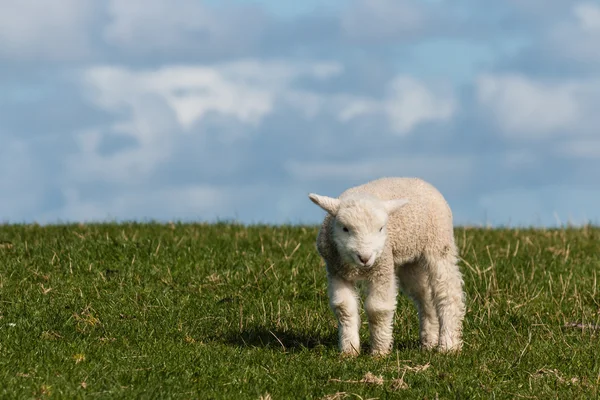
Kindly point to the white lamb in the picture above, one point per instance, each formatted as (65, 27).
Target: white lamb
(392, 232)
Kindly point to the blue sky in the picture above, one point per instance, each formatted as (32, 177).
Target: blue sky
(202, 110)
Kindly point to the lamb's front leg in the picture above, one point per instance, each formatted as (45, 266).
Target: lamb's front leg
(380, 306)
(344, 303)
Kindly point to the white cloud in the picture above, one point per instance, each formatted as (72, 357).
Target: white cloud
(577, 36)
(150, 26)
(407, 104)
(45, 29)
(410, 103)
(167, 102)
(245, 90)
(527, 107)
(588, 16)
(355, 107)
(161, 104)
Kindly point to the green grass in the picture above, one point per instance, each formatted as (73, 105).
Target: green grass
(225, 311)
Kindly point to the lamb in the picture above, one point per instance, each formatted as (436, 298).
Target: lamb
(390, 233)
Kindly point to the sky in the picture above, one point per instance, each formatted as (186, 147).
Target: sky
(188, 110)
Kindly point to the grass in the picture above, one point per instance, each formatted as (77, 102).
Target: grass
(232, 312)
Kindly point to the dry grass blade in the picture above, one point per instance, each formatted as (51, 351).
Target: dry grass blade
(369, 378)
(417, 368)
(335, 396)
(580, 325)
(556, 373)
(293, 251)
(344, 395)
(372, 379)
(280, 342)
(399, 384)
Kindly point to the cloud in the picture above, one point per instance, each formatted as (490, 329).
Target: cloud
(411, 103)
(157, 107)
(577, 38)
(178, 26)
(559, 37)
(45, 29)
(244, 90)
(534, 108)
(181, 133)
(407, 104)
(588, 15)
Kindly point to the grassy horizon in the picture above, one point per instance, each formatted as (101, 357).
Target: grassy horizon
(221, 310)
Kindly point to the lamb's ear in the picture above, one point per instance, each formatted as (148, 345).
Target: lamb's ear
(328, 204)
(391, 206)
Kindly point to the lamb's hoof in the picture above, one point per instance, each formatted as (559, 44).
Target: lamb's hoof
(350, 353)
(429, 345)
(449, 346)
(380, 352)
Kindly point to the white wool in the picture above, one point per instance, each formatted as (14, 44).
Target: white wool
(392, 232)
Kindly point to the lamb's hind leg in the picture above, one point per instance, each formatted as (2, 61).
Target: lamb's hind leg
(414, 282)
(344, 303)
(449, 299)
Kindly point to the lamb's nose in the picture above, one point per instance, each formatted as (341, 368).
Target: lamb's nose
(363, 259)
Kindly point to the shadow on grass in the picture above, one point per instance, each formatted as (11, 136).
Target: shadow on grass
(286, 340)
(260, 336)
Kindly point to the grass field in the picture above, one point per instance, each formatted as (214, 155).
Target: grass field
(225, 311)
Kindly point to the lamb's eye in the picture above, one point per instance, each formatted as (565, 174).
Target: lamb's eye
(346, 229)
(380, 229)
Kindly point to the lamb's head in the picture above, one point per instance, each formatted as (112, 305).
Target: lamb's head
(359, 225)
